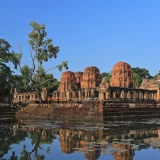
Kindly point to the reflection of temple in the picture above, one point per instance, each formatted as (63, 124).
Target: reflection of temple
(92, 142)
(127, 155)
(70, 139)
(154, 141)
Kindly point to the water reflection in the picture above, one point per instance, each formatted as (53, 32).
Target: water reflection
(32, 139)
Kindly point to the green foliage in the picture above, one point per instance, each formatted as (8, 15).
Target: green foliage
(5, 72)
(5, 78)
(40, 44)
(142, 72)
(139, 74)
(43, 46)
(48, 81)
(107, 78)
(16, 82)
(42, 50)
(6, 56)
(138, 79)
(106, 75)
(25, 74)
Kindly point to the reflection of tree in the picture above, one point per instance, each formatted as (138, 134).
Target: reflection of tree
(8, 138)
(24, 153)
(13, 157)
(46, 136)
(37, 139)
(36, 142)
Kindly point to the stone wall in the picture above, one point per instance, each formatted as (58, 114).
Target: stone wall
(27, 97)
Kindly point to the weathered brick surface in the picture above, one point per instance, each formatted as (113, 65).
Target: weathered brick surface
(122, 75)
(78, 76)
(150, 84)
(68, 81)
(91, 78)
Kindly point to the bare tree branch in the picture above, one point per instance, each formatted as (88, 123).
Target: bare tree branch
(21, 54)
(46, 81)
(49, 70)
(33, 63)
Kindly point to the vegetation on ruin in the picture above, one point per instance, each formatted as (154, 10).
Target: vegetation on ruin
(139, 74)
(106, 75)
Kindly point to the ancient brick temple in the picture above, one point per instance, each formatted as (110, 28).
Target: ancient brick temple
(29, 96)
(88, 86)
(122, 75)
(68, 81)
(90, 78)
(78, 85)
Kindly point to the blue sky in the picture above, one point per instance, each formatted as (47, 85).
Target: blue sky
(89, 32)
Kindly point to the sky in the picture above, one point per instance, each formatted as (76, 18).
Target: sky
(89, 32)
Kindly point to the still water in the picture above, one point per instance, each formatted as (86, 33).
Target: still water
(51, 139)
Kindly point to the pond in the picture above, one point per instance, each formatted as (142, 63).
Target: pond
(50, 139)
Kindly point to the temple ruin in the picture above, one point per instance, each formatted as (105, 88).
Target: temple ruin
(88, 86)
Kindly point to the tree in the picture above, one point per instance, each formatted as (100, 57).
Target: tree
(106, 75)
(25, 73)
(7, 56)
(139, 74)
(49, 82)
(138, 79)
(16, 82)
(142, 72)
(41, 50)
